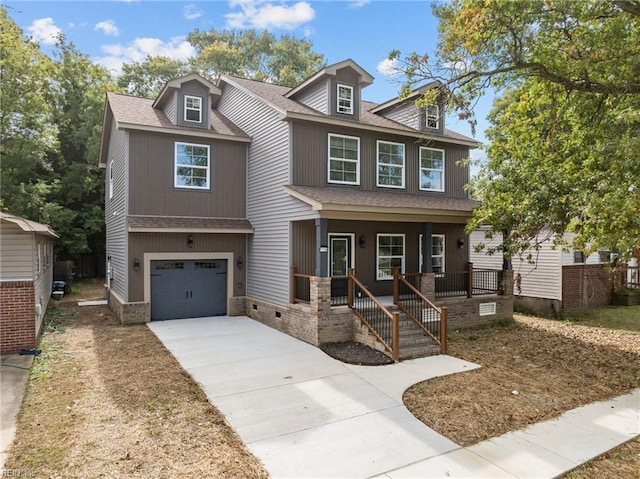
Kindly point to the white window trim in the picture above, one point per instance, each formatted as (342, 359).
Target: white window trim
(444, 251)
(427, 116)
(402, 263)
(352, 251)
(111, 179)
(329, 158)
(175, 167)
(430, 169)
(339, 108)
(199, 110)
(378, 142)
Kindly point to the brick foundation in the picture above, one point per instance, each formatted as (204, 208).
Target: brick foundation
(17, 316)
(464, 312)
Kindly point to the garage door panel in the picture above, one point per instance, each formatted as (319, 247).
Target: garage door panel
(188, 289)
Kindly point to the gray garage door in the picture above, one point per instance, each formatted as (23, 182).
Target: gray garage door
(188, 289)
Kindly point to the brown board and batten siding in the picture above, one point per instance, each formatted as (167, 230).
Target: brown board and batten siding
(310, 157)
(303, 251)
(269, 208)
(116, 210)
(194, 88)
(348, 77)
(152, 173)
(316, 96)
(141, 243)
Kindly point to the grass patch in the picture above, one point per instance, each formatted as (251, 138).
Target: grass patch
(622, 318)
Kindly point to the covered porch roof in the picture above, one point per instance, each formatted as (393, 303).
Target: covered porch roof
(355, 204)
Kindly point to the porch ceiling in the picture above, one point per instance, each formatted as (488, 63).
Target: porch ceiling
(352, 204)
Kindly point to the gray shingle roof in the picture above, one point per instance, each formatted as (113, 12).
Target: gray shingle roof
(274, 94)
(188, 222)
(381, 199)
(139, 111)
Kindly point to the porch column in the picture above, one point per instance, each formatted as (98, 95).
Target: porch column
(427, 231)
(322, 247)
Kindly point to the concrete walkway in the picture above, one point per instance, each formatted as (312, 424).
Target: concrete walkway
(14, 374)
(305, 414)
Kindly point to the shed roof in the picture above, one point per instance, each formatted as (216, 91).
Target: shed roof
(28, 225)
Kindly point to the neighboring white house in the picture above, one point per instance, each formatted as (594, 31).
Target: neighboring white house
(26, 276)
(551, 280)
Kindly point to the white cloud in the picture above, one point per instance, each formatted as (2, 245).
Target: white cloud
(108, 28)
(44, 31)
(177, 48)
(388, 67)
(263, 15)
(191, 12)
(358, 3)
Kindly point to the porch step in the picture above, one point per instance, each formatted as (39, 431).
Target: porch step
(413, 342)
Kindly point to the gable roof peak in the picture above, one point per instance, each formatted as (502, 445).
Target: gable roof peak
(414, 93)
(364, 77)
(177, 83)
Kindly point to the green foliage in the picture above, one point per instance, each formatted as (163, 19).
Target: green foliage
(51, 120)
(28, 133)
(147, 78)
(255, 55)
(564, 153)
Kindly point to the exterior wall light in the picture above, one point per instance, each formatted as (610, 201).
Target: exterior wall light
(190, 241)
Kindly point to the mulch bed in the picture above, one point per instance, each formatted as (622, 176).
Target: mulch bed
(352, 352)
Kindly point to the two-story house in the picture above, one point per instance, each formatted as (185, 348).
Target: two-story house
(255, 180)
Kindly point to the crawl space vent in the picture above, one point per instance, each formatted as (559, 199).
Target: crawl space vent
(487, 309)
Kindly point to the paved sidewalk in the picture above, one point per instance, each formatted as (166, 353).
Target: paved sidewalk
(305, 414)
(14, 374)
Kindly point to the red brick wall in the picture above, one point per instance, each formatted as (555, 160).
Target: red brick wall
(586, 286)
(17, 316)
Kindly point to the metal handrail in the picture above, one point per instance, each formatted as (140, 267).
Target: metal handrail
(380, 331)
(420, 301)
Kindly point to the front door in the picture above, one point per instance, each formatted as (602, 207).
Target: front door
(340, 260)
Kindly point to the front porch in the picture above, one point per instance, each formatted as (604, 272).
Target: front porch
(411, 322)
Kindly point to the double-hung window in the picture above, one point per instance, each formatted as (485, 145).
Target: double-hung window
(344, 159)
(431, 169)
(192, 166)
(193, 108)
(345, 99)
(390, 254)
(432, 116)
(390, 164)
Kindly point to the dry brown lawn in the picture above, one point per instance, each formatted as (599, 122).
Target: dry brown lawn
(110, 401)
(532, 370)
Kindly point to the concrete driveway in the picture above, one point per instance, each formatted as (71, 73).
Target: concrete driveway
(301, 412)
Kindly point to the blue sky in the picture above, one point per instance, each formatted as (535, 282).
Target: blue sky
(113, 32)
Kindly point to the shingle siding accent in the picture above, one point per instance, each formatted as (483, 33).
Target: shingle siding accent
(116, 209)
(269, 208)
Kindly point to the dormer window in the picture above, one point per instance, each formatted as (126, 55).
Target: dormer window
(193, 109)
(432, 117)
(345, 99)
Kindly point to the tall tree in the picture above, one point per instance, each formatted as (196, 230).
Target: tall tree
(28, 133)
(255, 55)
(75, 199)
(147, 78)
(564, 150)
